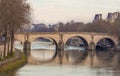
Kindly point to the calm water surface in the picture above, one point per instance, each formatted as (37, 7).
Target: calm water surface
(79, 63)
(107, 65)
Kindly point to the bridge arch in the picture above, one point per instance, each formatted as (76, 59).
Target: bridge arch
(111, 37)
(106, 41)
(79, 37)
(51, 40)
(20, 37)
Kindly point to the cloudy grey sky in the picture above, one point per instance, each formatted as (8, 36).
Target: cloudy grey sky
(53, 11)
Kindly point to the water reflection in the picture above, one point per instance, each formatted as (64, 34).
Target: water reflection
(42, 55)
(75, 56)
(87, 63)
(42, 51)
(94, 63)
(105, 56)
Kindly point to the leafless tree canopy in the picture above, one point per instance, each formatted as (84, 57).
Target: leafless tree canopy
(104, 27)
(13, 15)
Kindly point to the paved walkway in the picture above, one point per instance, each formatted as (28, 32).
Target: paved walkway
(17, 56)
(1, 50)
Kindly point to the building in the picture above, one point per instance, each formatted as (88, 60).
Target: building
(39, 28)
(97, 18)
(25, 28)
(112, 17)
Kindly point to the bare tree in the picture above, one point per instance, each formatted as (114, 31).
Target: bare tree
(99, 27)
(116, 28)
(13, 15)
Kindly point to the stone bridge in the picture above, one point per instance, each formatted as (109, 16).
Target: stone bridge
(58, 37)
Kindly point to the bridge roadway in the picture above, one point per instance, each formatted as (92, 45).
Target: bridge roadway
(58, 37)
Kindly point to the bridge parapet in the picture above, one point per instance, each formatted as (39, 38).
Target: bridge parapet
(56, 36)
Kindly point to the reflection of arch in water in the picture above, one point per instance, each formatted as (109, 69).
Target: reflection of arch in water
(105, 43)
(76, 56)
(48, 39)
(105, 56)
(18, 44)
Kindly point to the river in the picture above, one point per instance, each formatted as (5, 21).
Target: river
(80, 62)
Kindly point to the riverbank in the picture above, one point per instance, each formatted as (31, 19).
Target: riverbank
(13, 63)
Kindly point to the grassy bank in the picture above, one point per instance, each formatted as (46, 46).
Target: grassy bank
(14, 63)
(8, 57)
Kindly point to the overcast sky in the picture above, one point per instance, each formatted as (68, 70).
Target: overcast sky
(53, 11)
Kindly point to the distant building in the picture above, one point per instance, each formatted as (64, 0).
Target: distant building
(25, 28)
(97, 18)
(112, 17)
(39, 27)
(55, 27)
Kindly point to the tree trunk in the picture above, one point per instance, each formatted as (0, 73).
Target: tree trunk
(5, 42)
(8, 47)
(12, 42)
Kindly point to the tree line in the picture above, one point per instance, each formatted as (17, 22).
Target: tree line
(13, 15)
(101, 26)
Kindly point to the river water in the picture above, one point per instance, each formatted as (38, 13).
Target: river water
(79, 62)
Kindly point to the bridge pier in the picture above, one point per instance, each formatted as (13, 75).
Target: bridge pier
(118, 45)
(92, 45)
(60, 45)
(60, 51)
(60, 48)
(26, 48)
